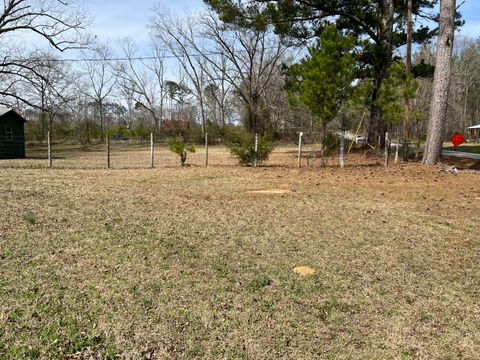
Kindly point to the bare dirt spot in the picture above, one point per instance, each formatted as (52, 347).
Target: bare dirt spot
(304, 270)
(270, 192)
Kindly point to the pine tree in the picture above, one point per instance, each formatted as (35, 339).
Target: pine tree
(323, 81)
(441, 84)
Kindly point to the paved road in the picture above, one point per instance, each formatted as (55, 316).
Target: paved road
(461, 154)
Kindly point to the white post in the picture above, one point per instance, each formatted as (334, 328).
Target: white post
(256, 150)
(342, 146)
(49, 150)
(396, 153)
(300, 149)
(152, 151)
(206, 149)
(387, 146)
(108, 152)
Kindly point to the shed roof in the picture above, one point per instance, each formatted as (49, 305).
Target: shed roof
(5, 110)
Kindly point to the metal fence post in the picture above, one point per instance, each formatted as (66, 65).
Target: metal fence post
(152, 151)
(256, 150)
(206, 149)
(342, 148)
(387, 148)
(49, 149)
(108, 152)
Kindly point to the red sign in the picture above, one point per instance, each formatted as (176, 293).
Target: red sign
(457, 139)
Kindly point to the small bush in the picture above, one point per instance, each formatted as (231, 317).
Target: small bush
(179, 147)
(242, 145)
(332, 144)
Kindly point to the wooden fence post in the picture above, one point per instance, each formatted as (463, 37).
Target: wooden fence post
(387, 146)
(342, 148)
(152, 151)
(206, 149)
(49, 149)
(108, 152)
(396, 153)
(300, 134)
(256, 150)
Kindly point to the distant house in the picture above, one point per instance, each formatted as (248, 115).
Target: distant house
(12, 134)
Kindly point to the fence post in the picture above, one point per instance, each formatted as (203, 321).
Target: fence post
(152, 151)
(108, 152)
(256, 150)
(342, 147)
(300, 134)
(49, 149)
(206, 149)
(396, 152)
(387, 146)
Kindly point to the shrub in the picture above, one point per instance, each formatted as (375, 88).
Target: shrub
(242, 145)
(178, 147)
(332, 143)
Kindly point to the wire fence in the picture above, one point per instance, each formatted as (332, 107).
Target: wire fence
(137, 154)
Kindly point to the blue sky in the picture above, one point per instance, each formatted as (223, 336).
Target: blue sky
(116, 19)
(471, 14)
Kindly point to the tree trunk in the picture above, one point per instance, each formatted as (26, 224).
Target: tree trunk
(408, 69)
(102, 130)
(377, 128)
(441, 84)
(183, 157)
(324, 143)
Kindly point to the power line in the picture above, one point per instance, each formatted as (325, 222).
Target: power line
(136, 58)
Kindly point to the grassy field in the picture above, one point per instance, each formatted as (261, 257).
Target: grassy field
(198, 262)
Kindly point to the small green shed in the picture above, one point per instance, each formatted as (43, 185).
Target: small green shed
(12, 134)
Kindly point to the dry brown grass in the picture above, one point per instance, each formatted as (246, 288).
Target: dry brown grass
(188, 263)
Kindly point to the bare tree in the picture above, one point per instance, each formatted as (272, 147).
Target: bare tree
(49, 89)
(441, 84)
(61, 23)
(101, 79)
(144, 81)
(179, 38)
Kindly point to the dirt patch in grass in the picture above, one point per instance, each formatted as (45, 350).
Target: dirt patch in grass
(269, 192)
(180, 263)
(304, 270)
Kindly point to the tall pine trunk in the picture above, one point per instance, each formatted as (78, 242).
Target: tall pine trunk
(408, 70)
(441, 84)
(377, 126)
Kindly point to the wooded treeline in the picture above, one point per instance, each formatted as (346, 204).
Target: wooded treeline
(237, 64)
